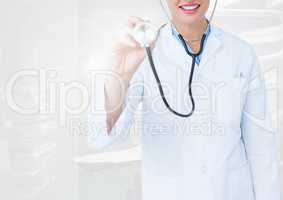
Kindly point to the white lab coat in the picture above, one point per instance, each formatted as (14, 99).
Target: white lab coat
(226, 150)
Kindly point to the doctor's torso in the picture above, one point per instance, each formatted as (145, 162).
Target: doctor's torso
(182, 153)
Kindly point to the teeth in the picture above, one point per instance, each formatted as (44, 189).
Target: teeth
(190, 7)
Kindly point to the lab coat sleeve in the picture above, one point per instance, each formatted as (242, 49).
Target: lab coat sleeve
(260, 137)
(98, 138)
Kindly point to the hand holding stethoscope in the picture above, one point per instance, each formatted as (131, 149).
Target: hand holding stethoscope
(130, 54)
(128, 51)
(127, 56)
(131, 50)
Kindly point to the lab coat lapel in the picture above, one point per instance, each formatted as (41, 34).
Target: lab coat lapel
(213, 45)
(173, 51)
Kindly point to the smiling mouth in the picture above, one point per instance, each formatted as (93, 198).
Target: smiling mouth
(189, 9)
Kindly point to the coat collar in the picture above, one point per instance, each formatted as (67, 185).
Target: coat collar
(175, 53)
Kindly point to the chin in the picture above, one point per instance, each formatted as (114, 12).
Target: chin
(188, 20)
(191, 19)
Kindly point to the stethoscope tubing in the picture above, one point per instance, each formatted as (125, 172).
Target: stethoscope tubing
(194, 56)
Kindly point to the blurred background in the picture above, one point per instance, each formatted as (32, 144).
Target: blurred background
(47, 52)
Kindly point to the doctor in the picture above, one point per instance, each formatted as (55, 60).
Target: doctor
(226, 150)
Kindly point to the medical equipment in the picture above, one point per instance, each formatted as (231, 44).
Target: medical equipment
(145, 35)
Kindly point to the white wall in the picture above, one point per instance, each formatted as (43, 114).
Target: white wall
(36, 154)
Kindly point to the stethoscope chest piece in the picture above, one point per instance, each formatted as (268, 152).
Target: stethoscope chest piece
(144, 33)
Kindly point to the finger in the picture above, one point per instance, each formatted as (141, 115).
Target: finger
(126, 41)
(133, 21)
(129, 26)
(152, 45)
(130, 41)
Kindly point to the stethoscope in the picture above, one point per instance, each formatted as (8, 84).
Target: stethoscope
(192, 55)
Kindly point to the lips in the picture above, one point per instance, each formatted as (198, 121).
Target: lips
(189, 8)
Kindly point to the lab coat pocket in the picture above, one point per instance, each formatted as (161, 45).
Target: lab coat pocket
(237, 91)
(240, 183)
(229, 100)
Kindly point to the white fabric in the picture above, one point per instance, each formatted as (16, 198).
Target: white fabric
(227, 149)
